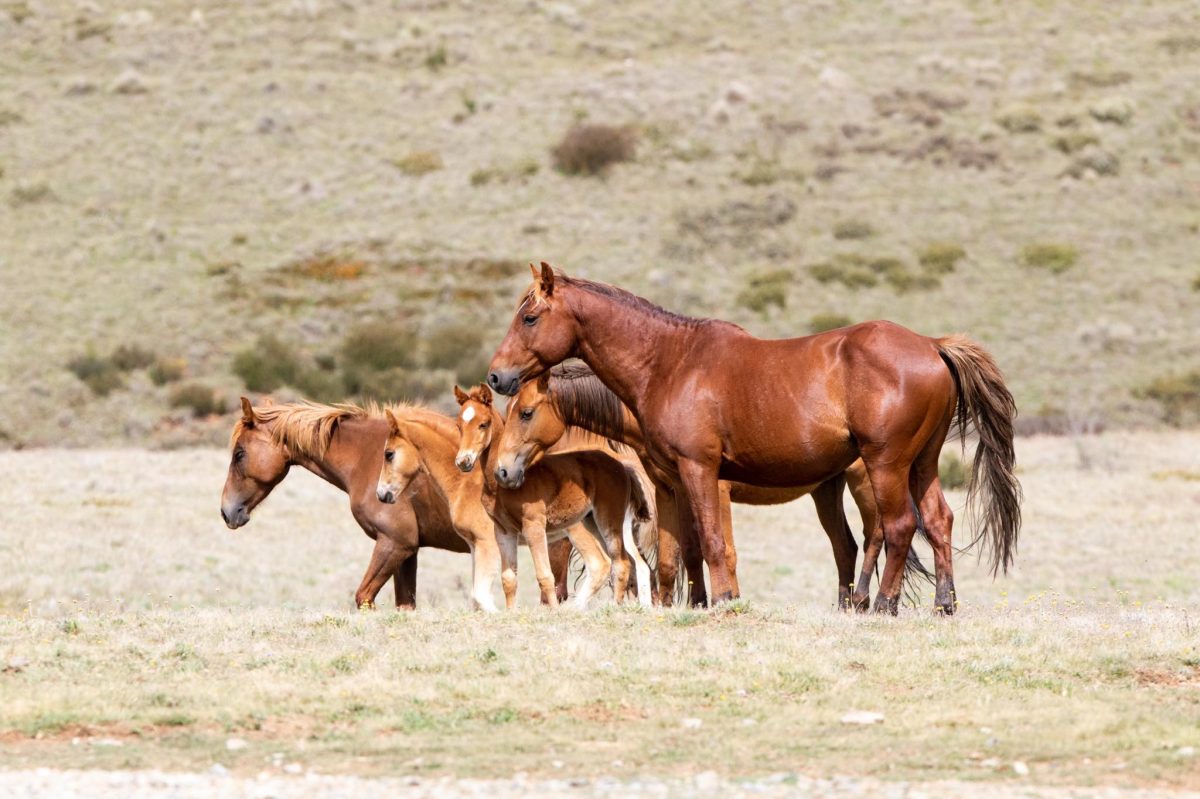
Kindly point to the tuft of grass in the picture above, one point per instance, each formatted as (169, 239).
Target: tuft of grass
(1180, 44)
(267, 365)
(1020, 119)
(377, 346)
(766, 289)
(764, 172)
(167, 370)
(1074, 141)
(828, 321)
(1054, 258)
(1179, 396)
(1114, 110)
(521, 170)
(200, 399)
(853, 229)
(418, 163)
(327, 267)
(591, 149)
(98, 374)
(952, 472)
(940, 257)
(70, 627)
(437, 59)
(850, 271)
(30, 193)
(128, 357)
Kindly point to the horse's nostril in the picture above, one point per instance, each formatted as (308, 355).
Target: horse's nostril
(503, 473)
(494, 380)
(224, 516)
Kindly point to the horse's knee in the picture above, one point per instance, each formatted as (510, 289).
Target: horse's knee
(898, 530)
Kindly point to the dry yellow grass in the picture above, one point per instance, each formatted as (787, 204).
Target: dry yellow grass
(130, 614)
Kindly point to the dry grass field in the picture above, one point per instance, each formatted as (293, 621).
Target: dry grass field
(140, 633)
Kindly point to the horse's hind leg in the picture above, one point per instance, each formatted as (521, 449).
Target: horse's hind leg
(533, 527)
(828, 499)
(889, 482)
(560, 563)
(860, 488)
(609, 513)
(939, 522)
(727, 534)
(597, 566)
(405, 583)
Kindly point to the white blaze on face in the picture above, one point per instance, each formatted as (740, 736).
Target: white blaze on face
(468, 414)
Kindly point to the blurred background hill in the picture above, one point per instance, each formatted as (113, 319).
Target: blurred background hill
(324, 199)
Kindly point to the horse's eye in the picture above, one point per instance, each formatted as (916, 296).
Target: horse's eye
(526, 414)
(485, 425)
(239, 456)
(388, 455)
(530, 320)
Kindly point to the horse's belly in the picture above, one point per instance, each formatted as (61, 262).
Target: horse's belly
(787, 467)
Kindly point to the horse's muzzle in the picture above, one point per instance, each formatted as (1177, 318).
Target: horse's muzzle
(386, 495)
(236, 517)
(465, 462)
(510, 478)
(505, 381)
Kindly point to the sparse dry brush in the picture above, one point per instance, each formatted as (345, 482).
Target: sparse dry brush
(590, 149)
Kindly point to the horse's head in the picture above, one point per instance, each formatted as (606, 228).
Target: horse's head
(257, 465)
(401, 462)
(475, 418)
(543, 332)
(534, 424)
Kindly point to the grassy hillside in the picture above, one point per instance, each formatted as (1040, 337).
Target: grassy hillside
(184, 178)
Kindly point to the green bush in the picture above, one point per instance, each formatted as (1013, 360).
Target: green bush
(378, 346)
(952, 472)
(167, 370)
(200, 399)
(828, 321)
(319, 385)
(591, 149)
(850, 271)
(940, 257)
(1054, 258)
(98, 374)
(853, 229)
(1179, 396)
(269, 364)
(766, 289)
(458, 348)
(128, 357)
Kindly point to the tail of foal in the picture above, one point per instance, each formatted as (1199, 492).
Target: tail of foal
(993, 494)
(645, 514)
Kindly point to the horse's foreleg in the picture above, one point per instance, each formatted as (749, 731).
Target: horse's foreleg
(828, 499)
(689, 544)
(485, 562)
(864, 498)
(727, 534)
(704, 500)
(405, 582)
(533, 528)
(508, 566)
(385, 559)
(560, 566)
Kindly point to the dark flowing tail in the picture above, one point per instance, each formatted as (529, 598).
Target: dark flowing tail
(993, 494)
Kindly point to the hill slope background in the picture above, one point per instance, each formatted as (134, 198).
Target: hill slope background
(365, 183)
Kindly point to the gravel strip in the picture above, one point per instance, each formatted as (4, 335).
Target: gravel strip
(41, 783)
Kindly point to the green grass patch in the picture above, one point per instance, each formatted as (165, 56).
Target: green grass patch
(1054, 258)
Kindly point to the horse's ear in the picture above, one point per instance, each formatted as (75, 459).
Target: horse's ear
(460, 395)
(533, 270)
(546, 280)
(248, 417)
(485, 394)
(393, 422)
(543, 381)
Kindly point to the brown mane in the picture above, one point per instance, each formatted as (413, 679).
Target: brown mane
(305, 428)
(585, 402)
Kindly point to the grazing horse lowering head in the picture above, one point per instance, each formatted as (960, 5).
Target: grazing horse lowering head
(543, 333)
(533, 425)
(258, 463)
(474, 425)
(401, 462)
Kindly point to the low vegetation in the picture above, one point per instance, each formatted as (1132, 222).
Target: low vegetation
(853, 229)
(98, 374)
(198, 398)
(766, 289)
(590, 149)
(828, 321)
(418, 163)
(1054, 258)
(952, 472)
(940, 257)
(862, 271)
(268, 364)
(1179, 396)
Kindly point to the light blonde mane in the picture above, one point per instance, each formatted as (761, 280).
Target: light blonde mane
(306, 428)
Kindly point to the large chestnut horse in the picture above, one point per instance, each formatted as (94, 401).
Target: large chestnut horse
(715, 402)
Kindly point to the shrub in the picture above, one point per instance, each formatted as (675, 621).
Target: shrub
(98, 374)
(1179, 396)
(199, 398)
(850, 271)
(418, 163)
(30, 193)
(391, 385)
(940, 257)
(1052, 257)
(828, 321)
(128, 357)
(1181, 44)
(853, 229)
(1115, 110)
(436, 59)
(378, 346)
(167, 370)
(318, 385)
(766, 289)
(591, 149)
(1073, 142)
(766, 173)
(952, 472)
(859, 271)
(266, 366)
(1020, 119)
(458, 348)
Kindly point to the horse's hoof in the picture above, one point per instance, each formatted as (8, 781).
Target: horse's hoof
(725, 596)
(887, 605)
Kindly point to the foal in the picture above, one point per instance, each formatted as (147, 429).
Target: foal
(416, 451)
(559, 490)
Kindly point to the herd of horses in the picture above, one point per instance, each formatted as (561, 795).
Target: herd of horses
(621, 409)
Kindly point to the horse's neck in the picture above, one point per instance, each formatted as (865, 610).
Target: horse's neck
(622, 345)
(437, 455)
(337, 463)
